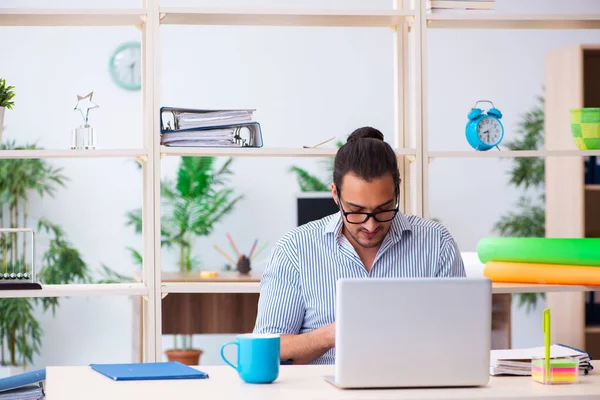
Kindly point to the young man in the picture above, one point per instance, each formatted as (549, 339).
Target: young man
(369, 237)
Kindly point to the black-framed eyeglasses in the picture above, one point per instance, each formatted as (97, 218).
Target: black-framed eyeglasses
(362, 217)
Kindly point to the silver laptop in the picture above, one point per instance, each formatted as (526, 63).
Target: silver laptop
(413, 332)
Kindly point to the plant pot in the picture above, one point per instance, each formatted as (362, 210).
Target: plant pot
(2, 109)
(585, 127)
(10, 370)
(187, 357)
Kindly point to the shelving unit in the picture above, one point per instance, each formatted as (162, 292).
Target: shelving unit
(571, 206)
(408, 22)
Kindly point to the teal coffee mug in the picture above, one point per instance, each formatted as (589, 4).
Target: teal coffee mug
(258, 357)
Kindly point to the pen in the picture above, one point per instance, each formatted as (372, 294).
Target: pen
(546, 315)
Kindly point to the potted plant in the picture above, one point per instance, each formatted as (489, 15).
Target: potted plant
(528, 173)
(192, 205)
(6, 96)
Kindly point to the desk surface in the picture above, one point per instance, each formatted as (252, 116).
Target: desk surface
(294, 382)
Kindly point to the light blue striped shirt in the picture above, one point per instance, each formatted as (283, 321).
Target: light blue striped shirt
(297, 289)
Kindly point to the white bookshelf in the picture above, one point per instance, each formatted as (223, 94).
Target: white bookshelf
(408, 22)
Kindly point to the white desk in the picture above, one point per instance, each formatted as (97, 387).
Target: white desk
(295, 382)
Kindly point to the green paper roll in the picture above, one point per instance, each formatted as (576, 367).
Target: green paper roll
(568, 251)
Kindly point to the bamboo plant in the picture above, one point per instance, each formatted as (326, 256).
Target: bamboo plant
(529, 219)
(192, 205)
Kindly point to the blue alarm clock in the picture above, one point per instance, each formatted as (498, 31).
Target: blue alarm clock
(484, 129)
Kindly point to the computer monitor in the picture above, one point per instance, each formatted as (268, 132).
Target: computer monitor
(314, 206)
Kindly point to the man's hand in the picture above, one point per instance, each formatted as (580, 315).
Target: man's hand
(329, 333)
(309, 346)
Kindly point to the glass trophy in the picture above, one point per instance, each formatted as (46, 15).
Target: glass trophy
(84, 137)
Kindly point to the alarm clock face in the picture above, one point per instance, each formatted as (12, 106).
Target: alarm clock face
(489, 131)
(126, 66)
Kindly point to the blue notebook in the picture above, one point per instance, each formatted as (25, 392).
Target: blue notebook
(148, 371)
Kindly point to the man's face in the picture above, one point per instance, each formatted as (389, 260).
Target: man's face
(358, 195)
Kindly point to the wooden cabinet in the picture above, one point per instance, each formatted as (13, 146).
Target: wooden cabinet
(572, 208)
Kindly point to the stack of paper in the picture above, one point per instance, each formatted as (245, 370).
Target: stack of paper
(209, 128)
(204, 118)
(518, 361)
(29, 392)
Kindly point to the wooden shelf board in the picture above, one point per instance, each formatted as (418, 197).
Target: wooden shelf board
(500, 288)
(592, 187)
(67, 153)
(513, 21)
(210, 287)
(282, 17)
(71, 290)
(70, 17)
(513, 154)
(254, 287)
(592, 329)
(258, 152)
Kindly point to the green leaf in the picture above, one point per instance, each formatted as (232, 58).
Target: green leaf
(111, 276)
(6, 95)
(308, 182)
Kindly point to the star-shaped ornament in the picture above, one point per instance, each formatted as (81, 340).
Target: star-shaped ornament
(84, 105)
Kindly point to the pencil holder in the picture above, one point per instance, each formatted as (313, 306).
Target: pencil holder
(563, 370)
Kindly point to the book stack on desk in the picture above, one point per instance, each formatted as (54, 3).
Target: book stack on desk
(183, 127)
(518, 361)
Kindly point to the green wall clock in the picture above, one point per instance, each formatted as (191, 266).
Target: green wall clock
(125, 66)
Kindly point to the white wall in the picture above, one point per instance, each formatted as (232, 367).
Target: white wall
(308, 84)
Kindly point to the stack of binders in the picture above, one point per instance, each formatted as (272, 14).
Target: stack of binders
(182, 127)
(518, 361)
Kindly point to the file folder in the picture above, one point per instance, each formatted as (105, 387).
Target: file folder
(28, 385)
(185, 119)
(148, 371)
(184, 127)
